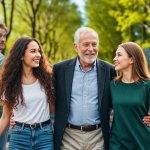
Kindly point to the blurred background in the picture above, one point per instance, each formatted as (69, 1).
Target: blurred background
(54, 22)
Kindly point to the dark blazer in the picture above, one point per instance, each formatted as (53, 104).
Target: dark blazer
(63, 73)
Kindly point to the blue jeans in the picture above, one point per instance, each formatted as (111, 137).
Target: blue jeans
(3, 139)
(40, 138)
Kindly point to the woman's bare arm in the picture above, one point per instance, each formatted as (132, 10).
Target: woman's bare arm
(4, 120)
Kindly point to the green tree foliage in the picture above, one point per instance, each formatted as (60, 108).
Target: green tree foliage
(133, 18)
(8, 15)
(51, 21)
(119, 21)
(98, 17)
(147, 54)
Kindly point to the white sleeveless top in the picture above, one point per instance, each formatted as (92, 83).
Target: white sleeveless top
(36, 108)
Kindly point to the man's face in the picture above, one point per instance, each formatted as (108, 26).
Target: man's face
(87, 48)
(3, 35)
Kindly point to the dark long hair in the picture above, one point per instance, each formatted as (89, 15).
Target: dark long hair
(10, 80)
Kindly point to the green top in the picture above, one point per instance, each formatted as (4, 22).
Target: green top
(130, 103)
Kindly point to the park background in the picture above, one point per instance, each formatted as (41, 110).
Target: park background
(53, 23)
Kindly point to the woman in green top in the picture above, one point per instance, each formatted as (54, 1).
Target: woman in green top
(130, 100)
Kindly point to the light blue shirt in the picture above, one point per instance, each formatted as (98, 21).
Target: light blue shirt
(1, 62)
(84, 97)
(1, 59)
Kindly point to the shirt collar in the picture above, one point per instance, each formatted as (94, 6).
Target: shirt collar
(78, 66)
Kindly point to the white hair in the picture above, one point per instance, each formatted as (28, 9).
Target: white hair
(84, 30)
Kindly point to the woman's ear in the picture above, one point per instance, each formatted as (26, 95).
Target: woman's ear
(131, 60)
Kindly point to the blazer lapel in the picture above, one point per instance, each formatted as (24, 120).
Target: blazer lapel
(100, 79)
(69, 71)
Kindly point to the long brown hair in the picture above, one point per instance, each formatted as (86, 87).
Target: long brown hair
(140, 66)
(10, 80)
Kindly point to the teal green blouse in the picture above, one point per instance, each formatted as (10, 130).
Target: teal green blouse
(130, 103)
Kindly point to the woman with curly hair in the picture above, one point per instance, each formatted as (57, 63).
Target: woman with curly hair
(26, 86)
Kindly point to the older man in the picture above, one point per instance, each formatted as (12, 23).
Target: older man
(83, 96)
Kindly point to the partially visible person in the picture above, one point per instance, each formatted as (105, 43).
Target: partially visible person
(3, 35)
(83, 96)
(130, 92)
(26, 84)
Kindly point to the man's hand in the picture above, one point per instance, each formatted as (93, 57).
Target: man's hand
(12, 122)
(146, 120)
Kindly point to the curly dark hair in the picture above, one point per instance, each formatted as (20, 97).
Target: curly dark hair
(10, 80)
